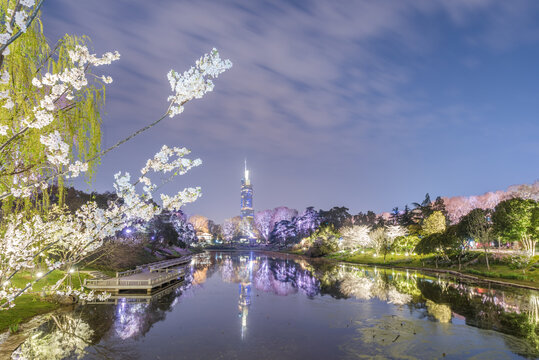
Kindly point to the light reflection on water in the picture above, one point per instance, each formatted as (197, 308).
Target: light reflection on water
(252, 305)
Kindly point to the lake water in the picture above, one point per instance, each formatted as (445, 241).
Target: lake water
(258, 306)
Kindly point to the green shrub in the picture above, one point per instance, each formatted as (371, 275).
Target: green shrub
(519, 261)
(323, 242)
(13, 328)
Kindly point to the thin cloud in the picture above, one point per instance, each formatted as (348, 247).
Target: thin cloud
(312, 80)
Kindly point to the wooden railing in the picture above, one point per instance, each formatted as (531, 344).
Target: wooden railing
(168, 274)
(129, 272)
(168, 263)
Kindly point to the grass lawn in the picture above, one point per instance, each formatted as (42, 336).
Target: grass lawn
(31, 303)
(26, 307)
(502, 272)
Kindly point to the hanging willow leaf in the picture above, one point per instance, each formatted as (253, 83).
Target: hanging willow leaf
(78, 120)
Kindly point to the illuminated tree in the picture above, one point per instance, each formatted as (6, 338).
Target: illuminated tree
(185, 230)
(379, 240)
(405, 244)
(216, 230)
(386, 239)
(434, 224)
(307, 222)
(476, 225)
(200, 223)
(283, 213)
(161, 231)
(394, 231)
(39, 110)
(323, 241)
(48, 96)
(518, 220)
(355, 237)
(440, 243)
(284, 233)
(231, 229)
(263, 223)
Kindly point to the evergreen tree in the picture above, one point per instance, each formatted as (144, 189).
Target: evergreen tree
(395, 216)
(406, 219)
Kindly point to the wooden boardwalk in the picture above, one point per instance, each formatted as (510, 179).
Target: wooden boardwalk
(146, 278)
(138, 298)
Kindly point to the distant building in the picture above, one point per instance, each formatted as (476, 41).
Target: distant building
(204, 237)
(247, 212)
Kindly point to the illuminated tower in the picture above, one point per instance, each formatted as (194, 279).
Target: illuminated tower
(247, 211)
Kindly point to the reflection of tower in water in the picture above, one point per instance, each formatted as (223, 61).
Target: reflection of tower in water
(246, 277)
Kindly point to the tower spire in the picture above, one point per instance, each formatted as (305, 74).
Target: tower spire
(246, 171)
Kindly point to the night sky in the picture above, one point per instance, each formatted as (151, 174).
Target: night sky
(363, 104)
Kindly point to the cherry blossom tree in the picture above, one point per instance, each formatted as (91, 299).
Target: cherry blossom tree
(459, 206)
(284, 232)
(525, 191)
(31, 115)
(394, 231)
(186, 231)
(200, 223)
(356, 237)
(263, 223)
(382, 238)
(230, 229)
(308, 222)
(266, 220)
(283, 213)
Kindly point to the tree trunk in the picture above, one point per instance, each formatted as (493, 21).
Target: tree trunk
(529, 244)
(486, 258)
(436, 261)
(459, 261)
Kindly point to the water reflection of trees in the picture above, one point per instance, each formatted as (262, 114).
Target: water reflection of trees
(92, 331)
(442, 299)
(277, 277)
(65, 336)
(511, 311)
